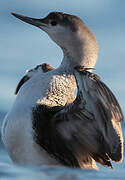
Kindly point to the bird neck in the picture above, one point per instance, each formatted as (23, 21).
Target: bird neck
(67, 64)
(79, 56)
(81, 51)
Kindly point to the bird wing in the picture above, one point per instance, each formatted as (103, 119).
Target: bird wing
(93, 125)
(88, 129)
(64, 133)
(78, 130)
(46, 136)
(101, 102)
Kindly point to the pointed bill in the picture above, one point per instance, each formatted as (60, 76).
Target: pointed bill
(29, 20)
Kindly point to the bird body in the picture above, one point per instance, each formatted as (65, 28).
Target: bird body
(48, 124)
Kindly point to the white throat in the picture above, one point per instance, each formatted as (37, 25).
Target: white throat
(79, 55)
(78, 49)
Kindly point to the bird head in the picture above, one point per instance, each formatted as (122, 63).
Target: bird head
(70, 33)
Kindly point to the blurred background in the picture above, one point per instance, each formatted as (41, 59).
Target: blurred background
(23, 46)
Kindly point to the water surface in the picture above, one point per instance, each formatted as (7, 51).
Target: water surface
(23, 46)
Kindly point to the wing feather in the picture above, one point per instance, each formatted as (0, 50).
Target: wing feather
(85, 131)
(110, 100)
(106, 110)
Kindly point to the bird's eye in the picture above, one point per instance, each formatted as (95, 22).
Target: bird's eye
(53, 23)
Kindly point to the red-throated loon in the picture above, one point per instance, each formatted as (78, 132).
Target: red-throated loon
(47, 124)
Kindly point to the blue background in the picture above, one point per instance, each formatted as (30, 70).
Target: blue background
(23, 46)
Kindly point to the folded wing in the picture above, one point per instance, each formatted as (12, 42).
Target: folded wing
(85, 131)
(92, 124)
